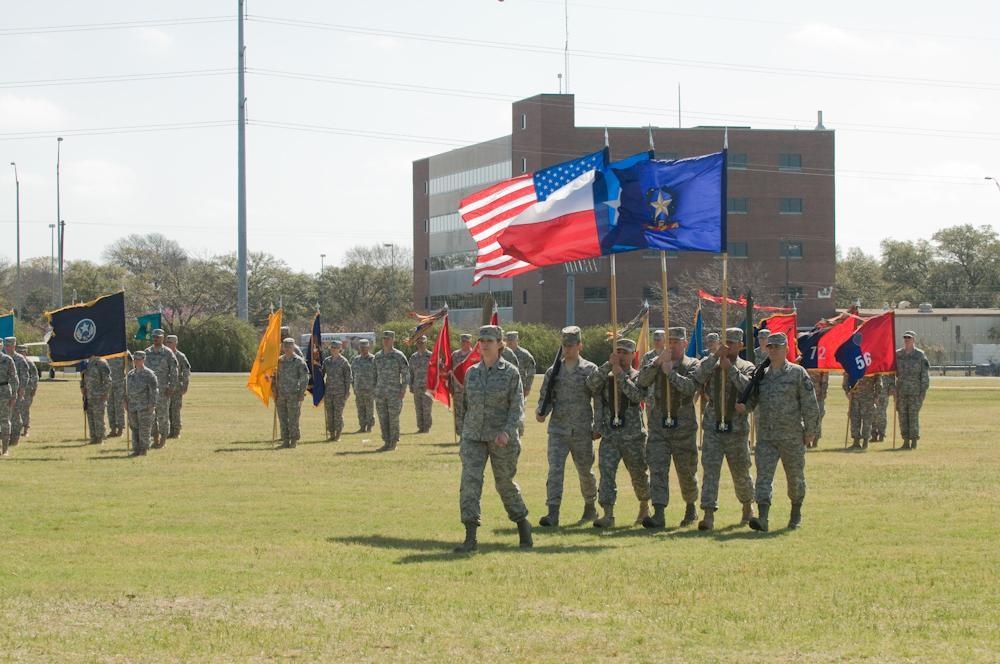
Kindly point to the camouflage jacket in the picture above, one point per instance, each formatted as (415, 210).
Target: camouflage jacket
(183, 371)
(786, 404)
(629, 397)
(709, 376)
(865, 391)
(913, 373)
(163, 363)
(22, 365)
(494, 401)
(363, 370)
(9, 382)
(526, 367)
(572, 400)
(117, 366)
(457, 357)
(392, 373)
(337, 375)
(683, 389)
(418, 371)
(292, 377)
(821, 382)
(97, 379)
(141, 389)
(32, 385)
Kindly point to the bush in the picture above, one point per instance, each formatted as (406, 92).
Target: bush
(215, 344)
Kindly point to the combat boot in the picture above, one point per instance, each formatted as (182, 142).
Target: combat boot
(864, 444)
(905, 445)
(747, 513)
(470, 544)
(856, 445)
(690, 515)
(589, 511)
(796, 517)
(760, 522)
(657, 520)
(707, 523)
(643, 512)
(913, 444)
(550, 520)
(524, 534)
(608, 520)
(385, 448)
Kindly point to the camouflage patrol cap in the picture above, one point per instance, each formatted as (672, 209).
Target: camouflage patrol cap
(910, 333)
(571, 335)
(625, 344)
(659, 335)
(388, 334)
(422, 338)
(284, 329)
(10, 341)
(678, 333)
(158, 332)
(139, 355)
(711, 336)
(288, 341)
(171, 337)
(764, 333)
(364, 342)
(336, 343)
(512, 334)
(734, 334)
(465, 337)
(777, 339)
(491, 332)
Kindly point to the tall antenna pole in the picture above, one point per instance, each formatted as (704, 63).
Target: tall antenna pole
(566, 46)
(241, 178)
(678, 105)
(59, 226)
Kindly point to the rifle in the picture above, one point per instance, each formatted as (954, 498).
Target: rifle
(758, 374)
(545, 405)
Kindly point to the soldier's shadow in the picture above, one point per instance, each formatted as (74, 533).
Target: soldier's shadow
(108, 457)
(356, 452)
(60, 447)
(270, 448)
(429, 551)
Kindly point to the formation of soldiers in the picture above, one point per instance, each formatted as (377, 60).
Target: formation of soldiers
(18, 384)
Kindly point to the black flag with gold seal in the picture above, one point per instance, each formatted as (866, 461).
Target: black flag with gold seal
(90, 328)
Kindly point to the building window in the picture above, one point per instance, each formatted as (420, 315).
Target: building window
(524, 297)
(427, 225)
(502, 299)
(474, 177)
(665, 156)
(791, 293)
(790, 206)
(595, 294)
(790, 249)
(655, 253)
(737, 162)
(738, 250)
(456, 261)
(426, 302)
(788, 161)
(524, 164)
(426, 189)
(427, 265)
(524, 120)
(738, 205)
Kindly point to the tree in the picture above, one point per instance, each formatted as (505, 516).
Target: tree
(859, 279)
(374, 284)
(906, 267)
(970, 261)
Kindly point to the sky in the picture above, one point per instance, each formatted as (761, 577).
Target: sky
(343, 96)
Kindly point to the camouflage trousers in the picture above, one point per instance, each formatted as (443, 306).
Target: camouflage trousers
(15, 421)
(25, 411)
(365, 402)
(176, 403)
(881, 417)
(289, 411)
(161, 416)
(388, 409)
(333, 408)
(664, 445)
(862, 414)
(141, 425)
(792, 453)
(95, 419)
(458, 406)
(632, 451)
(822, 414)
(423, 404)
(5, 408)
(116, 407)
(474, 455)
(581, 448)
(909, 416)
(735, 448)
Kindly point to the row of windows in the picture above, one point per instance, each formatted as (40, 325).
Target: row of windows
(785, 206)
(599, 294)
(444, 223)
(787, 161)
(471, 300)
(456, 261)
(470, 178)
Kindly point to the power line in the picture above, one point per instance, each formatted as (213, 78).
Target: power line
(116, 78)
(126, 129)
(119, 25)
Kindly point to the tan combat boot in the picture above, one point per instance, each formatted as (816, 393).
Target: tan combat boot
(643, 512)
(747, 513)
(708, 522)
(608, 520)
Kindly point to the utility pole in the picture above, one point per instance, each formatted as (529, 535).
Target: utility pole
(17, 222)
(242, 296)
(59, 227)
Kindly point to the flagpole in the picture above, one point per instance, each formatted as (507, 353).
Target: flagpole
(665, 301)
(895, 418)
(723, 424)
(615, 420)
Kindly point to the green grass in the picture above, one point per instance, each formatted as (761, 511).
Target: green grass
(220, 548)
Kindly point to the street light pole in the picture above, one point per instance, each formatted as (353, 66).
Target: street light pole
(52, 263)
(242, 292)
(322, 264)
(60, 224)
(392, 268)
(17, 222)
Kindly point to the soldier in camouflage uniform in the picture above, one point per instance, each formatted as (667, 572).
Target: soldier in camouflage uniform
(457, 402)
(289, 388)
(821, 383)
(183, 381)
(10, 385)
(728, 438)
(418, 385)
(786, 403)
(525, 361)
(30, 389)
(572, 429)
(675, 439)
(337, 379)
(96, 385)
(623, 434)
(119, 366)
(861, 409)
(392, 375)
(162, 361)
(880, 418)
(141, 395)
(23, 373)
(494, 409)
(659, 343)
(910, 387)
(363, 371)
(760, 353)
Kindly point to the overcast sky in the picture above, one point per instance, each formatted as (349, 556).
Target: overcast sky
(343, 96)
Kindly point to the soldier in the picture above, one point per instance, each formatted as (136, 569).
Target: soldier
(525, 361)
(760, 352)
(659, 343)
(821, 383)
(290, 384)
(183, 381)
(726, 431)
(861, 409)
(418, 385)
(30, 389)
(494, 411)
(674, 439)
(572, 429)
(119, 366)
(162, 361)
(623, 432)
(96, 385)
(363, 372)
(23, 372)
(787, 423)
(392, 375)
(337, 378)
(10, 385)
(909, 388)
(712, 343)
(880, 418)
(457, 402)
(141, 395)
(286, 333)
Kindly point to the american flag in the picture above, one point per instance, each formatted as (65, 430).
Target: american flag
(488, 212)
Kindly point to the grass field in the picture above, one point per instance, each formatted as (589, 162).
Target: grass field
(220, 548)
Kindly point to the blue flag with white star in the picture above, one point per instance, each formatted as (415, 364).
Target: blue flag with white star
(91, 328)
(675, 205)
